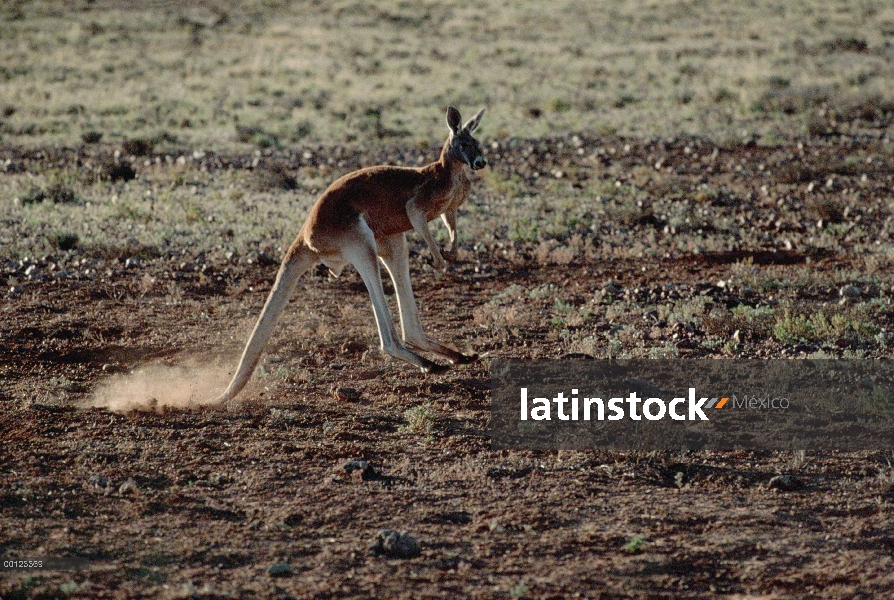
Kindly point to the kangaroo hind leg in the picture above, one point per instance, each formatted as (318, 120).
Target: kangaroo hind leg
(393, 251)
(299, 259)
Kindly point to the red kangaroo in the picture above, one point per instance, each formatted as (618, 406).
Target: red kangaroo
(364, 216)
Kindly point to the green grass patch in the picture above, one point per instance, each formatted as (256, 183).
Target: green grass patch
(420, 419)
(818, 327)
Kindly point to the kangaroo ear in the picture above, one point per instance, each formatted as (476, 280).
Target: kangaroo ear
(472, 124)
(453, 120)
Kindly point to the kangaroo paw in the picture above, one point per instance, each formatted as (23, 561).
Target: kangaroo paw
(467, 358)
(434, 368)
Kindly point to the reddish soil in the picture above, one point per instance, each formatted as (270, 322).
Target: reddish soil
(220, 495)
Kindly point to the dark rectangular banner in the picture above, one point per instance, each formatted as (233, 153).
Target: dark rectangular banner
(677, 404)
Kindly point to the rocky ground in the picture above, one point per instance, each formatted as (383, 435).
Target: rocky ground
(646, 248)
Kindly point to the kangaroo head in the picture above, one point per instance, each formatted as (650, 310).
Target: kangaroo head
(461, 145)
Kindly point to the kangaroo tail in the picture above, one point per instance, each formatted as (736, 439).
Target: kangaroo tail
(299, 259)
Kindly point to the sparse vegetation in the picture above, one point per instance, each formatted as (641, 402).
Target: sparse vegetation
(90, 76)
(505, 186)
(666, 179)
(64, 240)
(420, 419)
(519, 590)
(793, 328)
(635, 545)
(879, 399)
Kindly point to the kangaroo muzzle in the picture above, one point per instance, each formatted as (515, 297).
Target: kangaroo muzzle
(478, 163)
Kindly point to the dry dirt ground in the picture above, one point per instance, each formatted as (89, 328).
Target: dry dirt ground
(202, 502)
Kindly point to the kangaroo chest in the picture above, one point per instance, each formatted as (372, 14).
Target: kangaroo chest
(450, 194)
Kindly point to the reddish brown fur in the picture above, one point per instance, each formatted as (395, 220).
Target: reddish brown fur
(380, 194)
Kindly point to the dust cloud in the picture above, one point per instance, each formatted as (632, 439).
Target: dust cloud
(192, 383)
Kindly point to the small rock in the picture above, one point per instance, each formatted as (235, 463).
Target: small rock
(359, 469)
(355, 465)
(279, 570)
(13, 167)
(14, 292)
(263, 259)
(98, 480)
(392, 544)
(850, 291)
(128, 487)
(737, 337)
(353, 347)
(345, 394)
(99, 484)
(785, 483)
(219, 480)
(132, 263)
(118, 171)
(613, 287)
